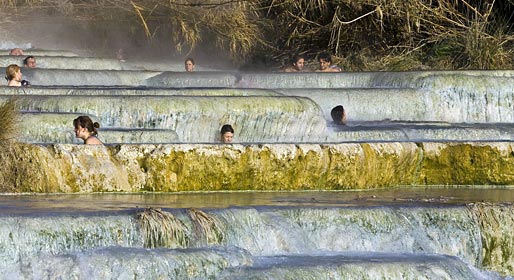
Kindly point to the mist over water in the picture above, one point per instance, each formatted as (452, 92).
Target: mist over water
(387, 234)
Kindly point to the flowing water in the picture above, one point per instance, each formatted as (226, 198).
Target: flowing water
(417, 129)
(390, 234)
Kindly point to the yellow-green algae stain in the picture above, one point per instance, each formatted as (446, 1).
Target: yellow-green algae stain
(363, 166)
(202, 167)
(280, 167)
(496, 226)
(30, 169)
(467, 164)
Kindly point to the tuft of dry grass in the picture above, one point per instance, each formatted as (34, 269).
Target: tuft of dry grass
(9, 122)
(19, 172)
(162, 229)
(209, 225)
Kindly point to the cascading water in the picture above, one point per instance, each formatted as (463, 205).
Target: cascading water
(263, 242)
(285, 141)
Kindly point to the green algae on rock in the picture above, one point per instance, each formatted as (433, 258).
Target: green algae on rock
(210, 167)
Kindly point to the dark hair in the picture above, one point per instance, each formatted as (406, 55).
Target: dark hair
(190, 59)
(325, 56)
(296, 57)
(26, 60)
(226, 128)
(337, 114)
(87, 123)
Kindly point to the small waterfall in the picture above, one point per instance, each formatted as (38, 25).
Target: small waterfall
(421, 132)
(193, 80)
(402, 230)
(196, 119)
(70, 62)
(496, 223)
(58, 128)
(262, 232)
(363, 266)
(22, 238)
(129, 263)
(469, 101)
(303, 241)
(369, 104)
(137, 91)
(72, 77)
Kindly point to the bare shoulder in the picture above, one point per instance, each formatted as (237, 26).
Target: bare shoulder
(93, 141)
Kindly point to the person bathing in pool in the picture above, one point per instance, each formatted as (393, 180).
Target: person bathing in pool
(85, 129)
(13, 76)
(227, 133)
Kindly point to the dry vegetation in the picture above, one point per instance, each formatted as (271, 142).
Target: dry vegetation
(362, 34)
(210, 227)
(162, 229)
(18, 173)
(8, 120)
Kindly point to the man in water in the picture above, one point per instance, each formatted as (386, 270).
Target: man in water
(16, 51)
(338, 115)
(325, 63)
(29, 62)
(189, 64)
(297, 64)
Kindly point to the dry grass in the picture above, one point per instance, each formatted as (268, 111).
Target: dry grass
(162, 229)
(8, 148)
(19, 172)
(208, 225)
(9, 122)
(362, 34)
(379, 34)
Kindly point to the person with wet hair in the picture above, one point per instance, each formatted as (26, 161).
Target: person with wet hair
(29, 62)
(13, 76)
(189, 64)
(227, 133)
(86, 130)
(325, 63)
(16, 51)
(338, 115)
(297, 64)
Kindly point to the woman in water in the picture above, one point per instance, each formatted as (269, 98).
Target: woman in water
(13, 76)
(227, 133)
(85, 129)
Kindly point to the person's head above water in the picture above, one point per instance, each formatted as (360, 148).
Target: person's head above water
(298, 62)
(12, 72)
(30, 61)
(13, 75)
(227, 133)
(86, 130)
(338, 115)
(325, 63)
(325, 60)
(189, 64)
(16, 51)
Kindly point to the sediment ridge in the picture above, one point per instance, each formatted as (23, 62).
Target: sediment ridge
(72, 168)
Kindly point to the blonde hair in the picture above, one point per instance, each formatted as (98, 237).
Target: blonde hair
(11, 71)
